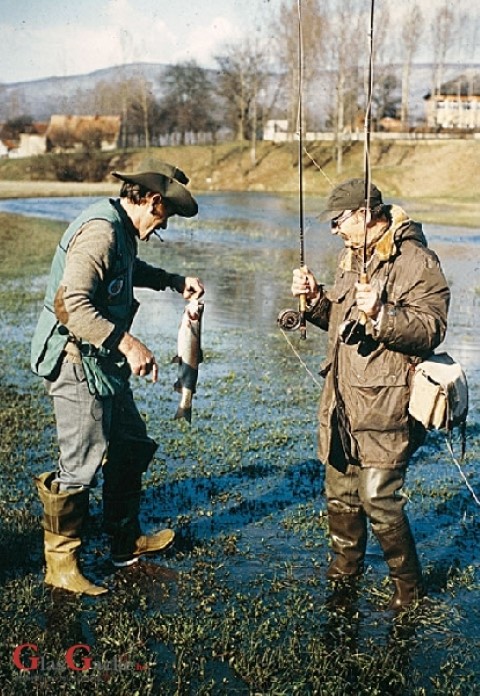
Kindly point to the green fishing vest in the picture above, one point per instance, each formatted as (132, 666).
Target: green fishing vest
(114, 298)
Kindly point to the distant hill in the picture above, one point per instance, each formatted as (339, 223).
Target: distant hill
(42, 98)
(58, 95)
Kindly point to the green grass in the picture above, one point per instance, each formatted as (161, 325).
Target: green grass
(26, 246)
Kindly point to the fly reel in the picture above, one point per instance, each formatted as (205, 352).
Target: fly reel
(289, 319)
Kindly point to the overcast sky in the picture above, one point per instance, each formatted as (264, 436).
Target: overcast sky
(43, 38)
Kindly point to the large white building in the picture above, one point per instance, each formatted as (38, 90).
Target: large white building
(456, 104)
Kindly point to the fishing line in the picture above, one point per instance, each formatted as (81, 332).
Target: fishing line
(302, 362)
(457, 464)
(315, 163)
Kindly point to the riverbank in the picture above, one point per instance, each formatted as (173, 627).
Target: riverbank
(437, 180)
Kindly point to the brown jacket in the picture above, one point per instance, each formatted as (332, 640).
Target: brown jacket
(369, 379)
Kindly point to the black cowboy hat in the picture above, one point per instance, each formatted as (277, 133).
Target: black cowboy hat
(170, 182)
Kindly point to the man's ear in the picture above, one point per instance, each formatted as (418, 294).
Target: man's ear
(155, 199)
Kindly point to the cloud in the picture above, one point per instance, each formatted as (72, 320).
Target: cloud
(121, 31)
(202, 43)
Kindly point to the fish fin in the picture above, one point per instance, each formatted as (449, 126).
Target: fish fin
(184, 413)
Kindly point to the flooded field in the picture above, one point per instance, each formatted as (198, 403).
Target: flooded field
(240, 604)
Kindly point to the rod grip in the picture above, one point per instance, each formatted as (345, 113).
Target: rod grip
(362, 317)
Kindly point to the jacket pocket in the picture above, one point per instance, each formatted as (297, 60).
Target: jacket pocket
(381, 393)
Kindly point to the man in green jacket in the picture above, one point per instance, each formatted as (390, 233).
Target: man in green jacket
(377, 329)
(84, 350)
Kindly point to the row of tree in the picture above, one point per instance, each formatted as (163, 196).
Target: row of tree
(258, 78)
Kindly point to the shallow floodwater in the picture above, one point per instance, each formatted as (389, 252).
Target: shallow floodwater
(244, 246)
(242, 486)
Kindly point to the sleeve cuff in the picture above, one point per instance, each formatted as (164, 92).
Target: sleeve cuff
(176, 282)
(111, 343)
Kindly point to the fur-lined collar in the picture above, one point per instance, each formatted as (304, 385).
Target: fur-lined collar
(400, 228)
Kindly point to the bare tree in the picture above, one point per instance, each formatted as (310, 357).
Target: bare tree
(285, 30)
(187, 107)
(131, 98)
(241, 78)
(384, 79)
(444, 28)
(347, 34)
(412, 29)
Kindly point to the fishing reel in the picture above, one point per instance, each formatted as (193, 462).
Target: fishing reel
(292, 320)
(289, 319)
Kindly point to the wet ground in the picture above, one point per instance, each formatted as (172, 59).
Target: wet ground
(240, 604)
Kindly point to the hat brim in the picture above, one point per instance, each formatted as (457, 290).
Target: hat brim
(327, 215)
(181, 200)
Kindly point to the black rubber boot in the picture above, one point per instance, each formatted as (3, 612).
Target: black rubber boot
(348, 534)
(122, 525)
(400, 553)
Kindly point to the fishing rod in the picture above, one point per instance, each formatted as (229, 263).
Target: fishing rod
(363, 319)
(289, 319)
(367, 131)
(302, 298)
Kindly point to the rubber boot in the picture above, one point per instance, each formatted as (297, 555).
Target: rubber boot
(64, 514)
(399, 550)
(348, 534)
(121, 523)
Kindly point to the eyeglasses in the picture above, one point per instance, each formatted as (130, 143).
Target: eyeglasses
(340, 219)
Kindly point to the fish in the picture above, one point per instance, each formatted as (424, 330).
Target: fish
(189, 356)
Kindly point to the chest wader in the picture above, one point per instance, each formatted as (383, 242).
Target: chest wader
(399, 551)
(63, 518)
(127, 458)
(347, 524)
(348, 537)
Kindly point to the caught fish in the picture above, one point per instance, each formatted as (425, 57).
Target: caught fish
(189, 355)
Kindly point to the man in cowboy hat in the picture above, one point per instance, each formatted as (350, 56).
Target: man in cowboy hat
(84, 350)
(377, 330)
